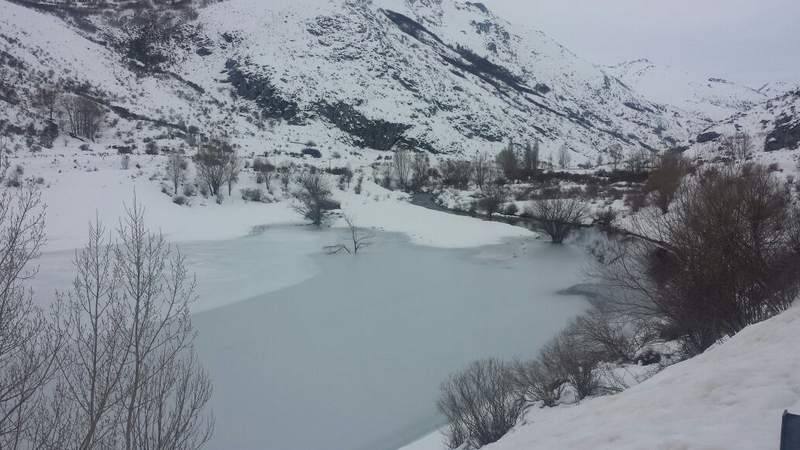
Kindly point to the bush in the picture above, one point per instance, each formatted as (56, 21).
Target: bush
(606, 217)
(558, 218)
(253, 195)
(456, 173)
(664, 182)
(481, 404)
(493, 198)
(151, 148)
(537, 382)
(724, 257)
(313, 198)
(511, 209)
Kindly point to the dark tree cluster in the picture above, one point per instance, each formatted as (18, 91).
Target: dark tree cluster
(726, 255)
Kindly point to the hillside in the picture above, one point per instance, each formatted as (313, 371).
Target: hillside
(447, 77)
(714, 99)
(774, 126)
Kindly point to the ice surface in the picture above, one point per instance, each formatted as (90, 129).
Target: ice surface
(352, 358)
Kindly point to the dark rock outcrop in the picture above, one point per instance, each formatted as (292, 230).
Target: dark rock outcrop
(709, 136)
(786, 134)
(373, 133)
(261, 90)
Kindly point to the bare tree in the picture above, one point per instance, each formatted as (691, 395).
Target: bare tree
(92, 365)
(359, 239)
(530, 159)
(46, 98)
(481, 169)
(84, 115)
(215, 162)
(176, 170)
(721, 259)
(615, 155)
(494, 196)
(618, 338)
(665, 180)
(156, 290)
(575, 360)
(27, 346)
(232, 170)
(538, 381)
(637, 161)
(402, 165)
(481, 404)
(420, 171)
(128, 376)
(456, 173)
(558, 217)
(740, 146)
(508, 161)
(564, 157)
(313, 196)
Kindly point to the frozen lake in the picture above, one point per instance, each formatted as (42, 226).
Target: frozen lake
(309, 351)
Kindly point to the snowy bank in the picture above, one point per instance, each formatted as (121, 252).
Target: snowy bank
(731, 397)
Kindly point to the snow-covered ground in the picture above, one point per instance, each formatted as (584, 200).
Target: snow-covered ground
(731, 397)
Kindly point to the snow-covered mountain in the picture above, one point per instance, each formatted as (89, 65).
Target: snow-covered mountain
(774, 127)
(446, 76)
(711, 98)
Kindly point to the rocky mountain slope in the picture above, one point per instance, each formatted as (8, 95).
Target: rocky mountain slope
(774, 128)
(352, 76)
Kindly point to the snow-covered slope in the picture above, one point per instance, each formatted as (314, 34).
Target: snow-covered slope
(446, 76)
(731, 397)
(774, 126)
(712, 98)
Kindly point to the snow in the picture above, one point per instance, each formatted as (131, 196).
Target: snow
(425, 226)
(713, 98)
(731, 397)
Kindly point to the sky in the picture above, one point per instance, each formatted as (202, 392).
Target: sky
(748, 41)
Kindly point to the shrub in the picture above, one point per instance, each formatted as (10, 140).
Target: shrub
(481, 404)
(724, 257)
(537, 382)
(253, 195)
(493, 197)
(558, 218)
(151, 148)
(664, 182)
(313, 198)
(456, 173)
(217, 163)
(606, 217)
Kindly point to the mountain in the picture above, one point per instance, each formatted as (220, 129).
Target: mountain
(774, 127)
(713, 99)
(351, 76)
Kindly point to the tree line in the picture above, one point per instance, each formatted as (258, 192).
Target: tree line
(112, 363)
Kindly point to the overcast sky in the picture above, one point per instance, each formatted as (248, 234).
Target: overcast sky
(749, 41)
